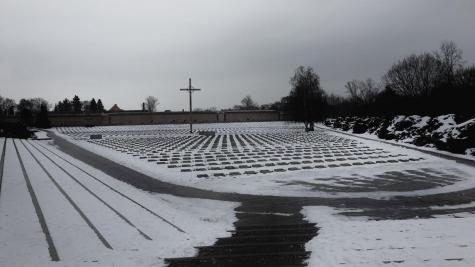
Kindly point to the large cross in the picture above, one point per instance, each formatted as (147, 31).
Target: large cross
(190, 90)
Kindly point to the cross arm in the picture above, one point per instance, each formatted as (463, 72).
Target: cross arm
(188, 89)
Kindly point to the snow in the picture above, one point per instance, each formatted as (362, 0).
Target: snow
(446, 122)
(22, 242)
(415, 242)
(469, 152)
(459, 206)
(442, 131)
(428, 147)
(289, 183)
(40, 135)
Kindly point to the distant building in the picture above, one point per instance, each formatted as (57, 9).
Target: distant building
(115, 109)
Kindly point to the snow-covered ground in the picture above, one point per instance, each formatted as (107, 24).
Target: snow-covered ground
(92, 218)
(350, 241)
(40, 135)
(273, 158)
(443, 133)
(86, 210)
(407, 143)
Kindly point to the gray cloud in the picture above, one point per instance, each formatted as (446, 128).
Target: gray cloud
(122, 51)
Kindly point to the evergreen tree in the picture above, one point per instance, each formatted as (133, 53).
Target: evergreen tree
(100, 107)
(67, 107)
(77, 105)
(59, 107)
(85, 106)
(93, 106)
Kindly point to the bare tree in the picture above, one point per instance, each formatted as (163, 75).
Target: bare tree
(307, 101)
(248, 103)
(334, 100)
(151, 103)
(36, 103)
(450, 59)
(212, 109)
(362, 92)
(7, 106)
(415, 75)
(465, 77)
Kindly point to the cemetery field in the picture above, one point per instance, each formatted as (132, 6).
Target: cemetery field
(275, 158)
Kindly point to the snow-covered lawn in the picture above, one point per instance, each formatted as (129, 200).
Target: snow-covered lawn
(92, 218)
(347, 241)
(273, 158)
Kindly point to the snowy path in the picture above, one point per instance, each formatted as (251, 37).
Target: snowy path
(92, 218)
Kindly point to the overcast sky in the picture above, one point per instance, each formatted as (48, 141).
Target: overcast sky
(124, 50)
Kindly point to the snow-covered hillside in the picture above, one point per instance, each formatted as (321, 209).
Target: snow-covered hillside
(446, 132)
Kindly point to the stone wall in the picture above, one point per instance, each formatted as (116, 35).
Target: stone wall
(243, 116)
(77, 120)
(136, 118)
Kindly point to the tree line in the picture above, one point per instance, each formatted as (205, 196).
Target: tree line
(32, 111)
(424, 84)
(77, 106)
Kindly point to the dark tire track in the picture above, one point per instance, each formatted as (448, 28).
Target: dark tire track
(75, 206)
(110, 187)
(120, 215)
(2, 162)
(39, 213)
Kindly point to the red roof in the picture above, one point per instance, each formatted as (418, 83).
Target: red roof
(115, 108)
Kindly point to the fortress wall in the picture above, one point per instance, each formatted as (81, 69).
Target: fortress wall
(160, 118)
(77, 120)
(243, 116)
(137, 118)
